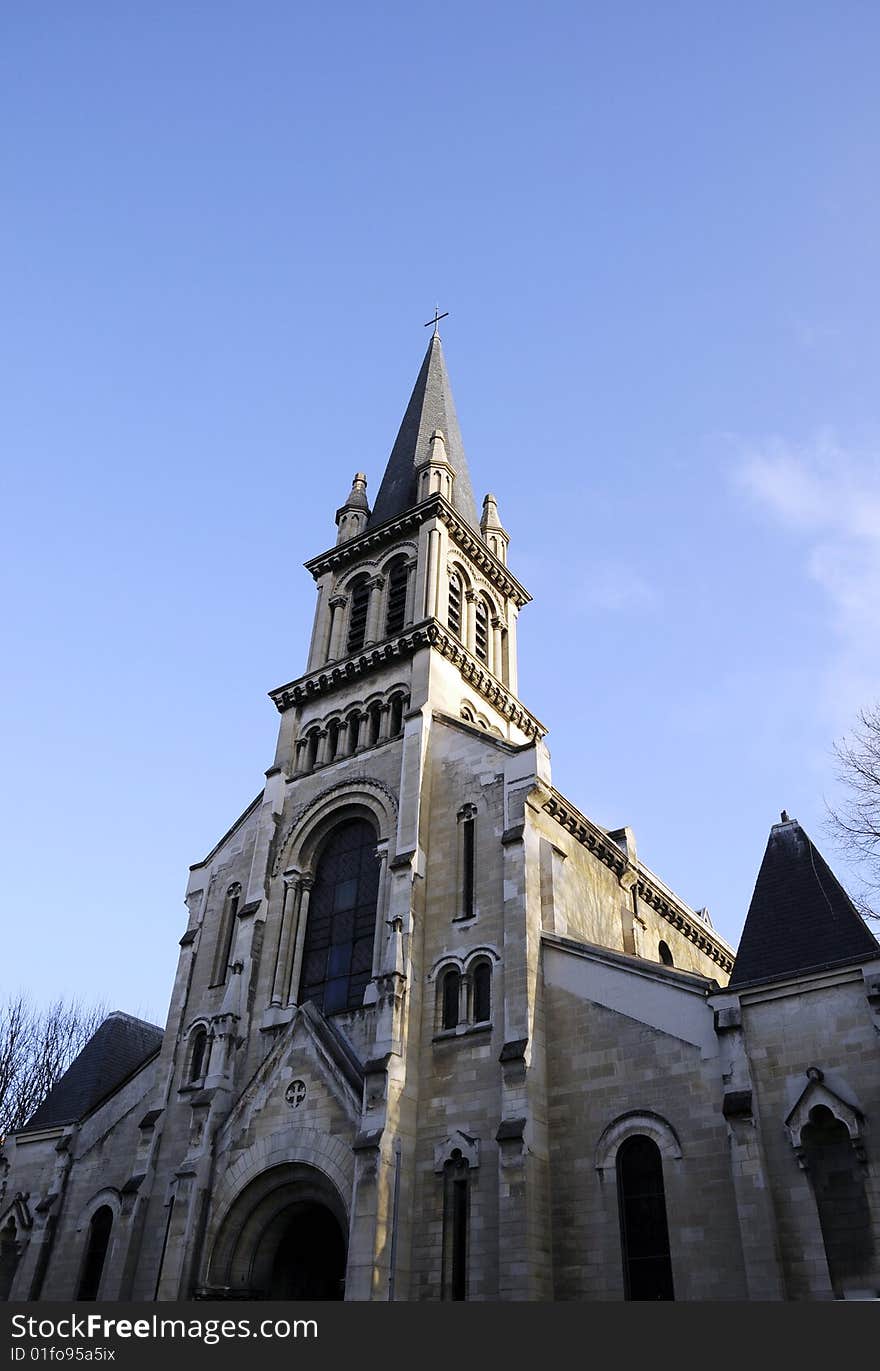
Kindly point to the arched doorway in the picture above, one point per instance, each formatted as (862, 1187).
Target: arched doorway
(307, 1254)
(284, 1238)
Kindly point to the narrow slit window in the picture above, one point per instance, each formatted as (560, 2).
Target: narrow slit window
(456, 1204)
(467, 866)
(357, 622)
(226, 935)
(197, 1060)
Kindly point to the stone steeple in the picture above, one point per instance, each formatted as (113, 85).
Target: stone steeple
(430, 409)
(800, 918)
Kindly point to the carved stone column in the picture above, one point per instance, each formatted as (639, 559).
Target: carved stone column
(363, 731)
(305, 887)
(409, 612)
(374, 610)
(337, 623)
(495, 665)
(384, 723)
(431, 573)
(471, 617)
(321, 757)
(286, 936)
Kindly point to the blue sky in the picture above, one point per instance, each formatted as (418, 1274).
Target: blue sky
(655, 229)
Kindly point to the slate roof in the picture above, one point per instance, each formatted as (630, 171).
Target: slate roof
(117, 1048)
(800, 918)
(430, 406)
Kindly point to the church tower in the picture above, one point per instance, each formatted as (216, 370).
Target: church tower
(375, 1081)
(347, 937)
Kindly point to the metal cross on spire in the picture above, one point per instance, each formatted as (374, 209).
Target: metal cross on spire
(436, 320)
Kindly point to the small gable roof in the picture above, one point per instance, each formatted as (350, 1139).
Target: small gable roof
(117, 1048)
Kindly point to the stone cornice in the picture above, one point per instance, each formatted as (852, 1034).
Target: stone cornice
(435, 507)
(428, 633)
(590, 836)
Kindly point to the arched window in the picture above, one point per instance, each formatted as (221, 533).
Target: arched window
(395, 726)
(312, 749)
(197, 1059)
(395, 611)
(357, 619)
(375, 723)
(481, 979)
(450, 995)
(644, 1234)
(338, 951)
(9, 1254)
(333, 730)
(838, 1185)
(225, 935)
(453, 614)
(481, 631)
(96, 1252)
(352, 725)
(665, 955)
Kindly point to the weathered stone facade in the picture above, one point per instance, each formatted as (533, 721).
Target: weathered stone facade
(533, 997)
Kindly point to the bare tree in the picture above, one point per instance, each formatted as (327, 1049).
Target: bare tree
(855, 821)
(36, 1047)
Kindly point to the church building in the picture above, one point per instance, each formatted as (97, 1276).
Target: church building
(435, 1034)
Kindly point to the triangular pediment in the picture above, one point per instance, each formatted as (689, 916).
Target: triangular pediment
(310, 1068)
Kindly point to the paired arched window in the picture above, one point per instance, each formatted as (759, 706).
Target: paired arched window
(357, 618)
(644, 1232)
(338, 948)
(395, 607)
(474, 1005)
(97, 1242)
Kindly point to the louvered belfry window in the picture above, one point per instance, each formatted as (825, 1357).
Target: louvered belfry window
(357, 621)
(396, 610)
(481, 632)
(338, 950)
(453, 617)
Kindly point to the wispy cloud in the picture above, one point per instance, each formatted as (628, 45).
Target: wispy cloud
(830, 494)
(614, 586)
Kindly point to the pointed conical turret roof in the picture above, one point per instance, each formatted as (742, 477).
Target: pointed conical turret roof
(800, 918)
(430, 408)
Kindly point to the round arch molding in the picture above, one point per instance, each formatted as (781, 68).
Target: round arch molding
(277, 1182)
(302, 836)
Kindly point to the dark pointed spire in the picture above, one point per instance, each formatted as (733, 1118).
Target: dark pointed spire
(800, 918)
(430, 408)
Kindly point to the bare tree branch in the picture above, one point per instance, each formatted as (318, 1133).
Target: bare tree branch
(854, 823)
(36, 1047)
